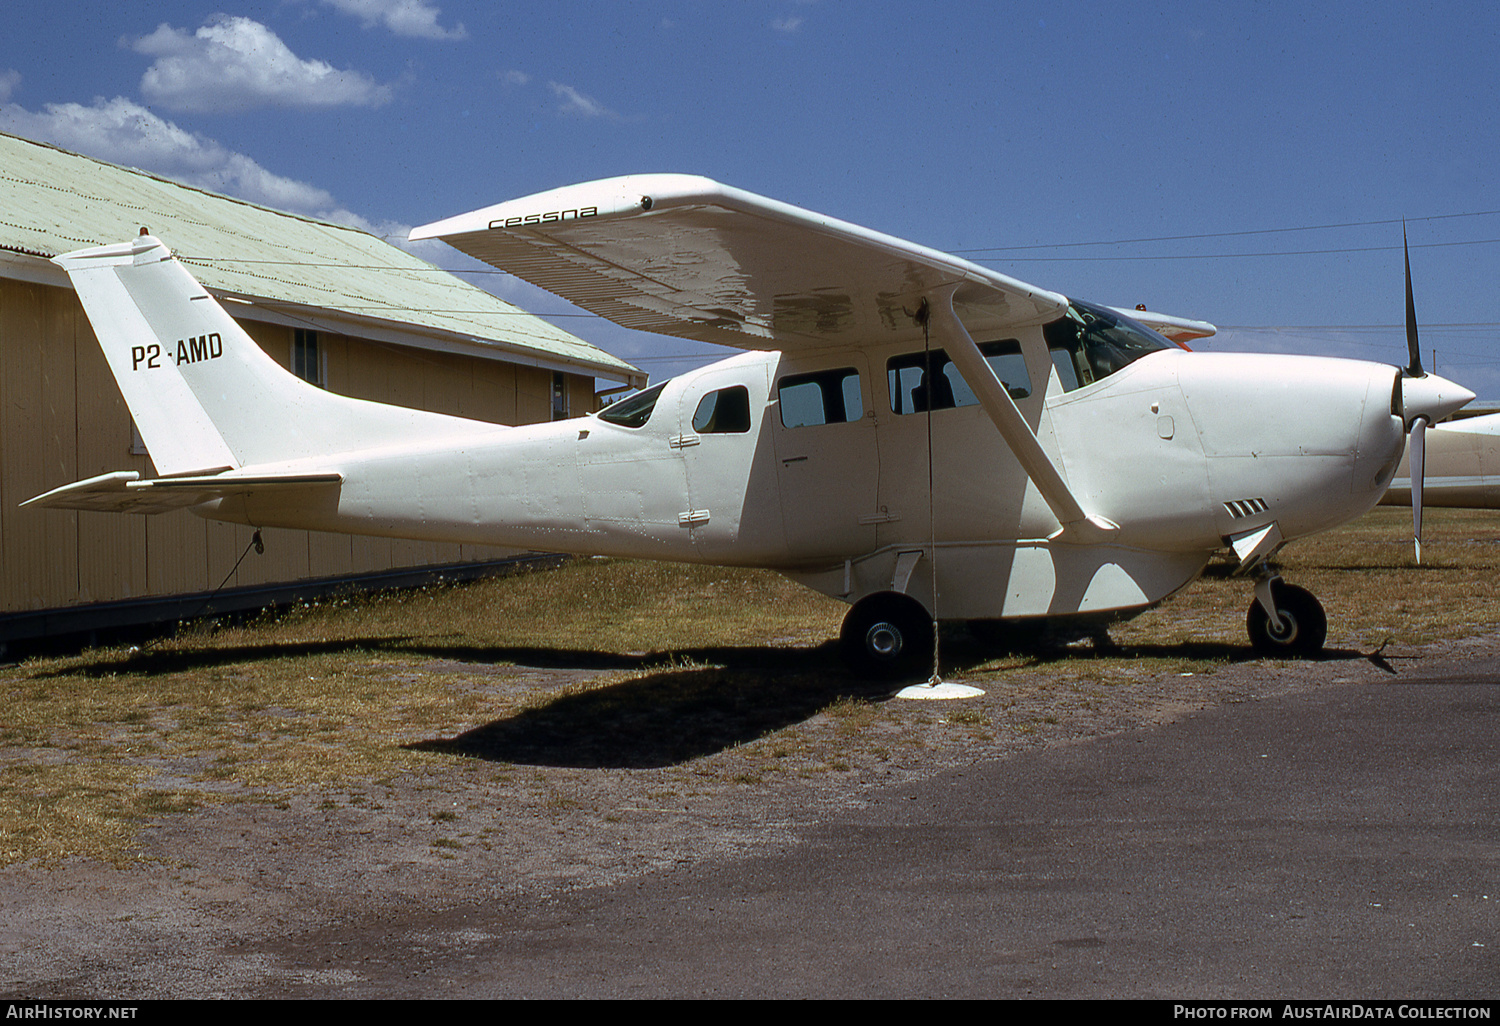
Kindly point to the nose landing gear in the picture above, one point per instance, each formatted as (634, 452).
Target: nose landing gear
(1286, 621)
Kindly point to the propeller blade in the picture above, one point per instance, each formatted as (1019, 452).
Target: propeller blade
(1414, 368)
(1418, 461)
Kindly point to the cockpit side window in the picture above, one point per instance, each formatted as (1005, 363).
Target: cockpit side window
(724, 412)
(1089, 343)
(915, 389)
(1065, 360)
(823, 397)
(634, 411)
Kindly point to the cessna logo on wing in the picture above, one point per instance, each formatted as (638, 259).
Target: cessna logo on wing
(188, 350)
(550, 217)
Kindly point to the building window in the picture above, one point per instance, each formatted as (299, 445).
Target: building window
(307, 358)
(559, 396)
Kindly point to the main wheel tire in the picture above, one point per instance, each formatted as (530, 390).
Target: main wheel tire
(1304, 624)
(887, 635)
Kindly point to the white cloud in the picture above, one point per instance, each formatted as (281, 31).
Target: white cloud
(9, 79)
(414, 18)
(574, 102)
(123, 132)
(235, 64)
(792, 22)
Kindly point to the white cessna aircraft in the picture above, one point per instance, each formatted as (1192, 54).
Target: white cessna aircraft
(908, 431)
(1462, 467)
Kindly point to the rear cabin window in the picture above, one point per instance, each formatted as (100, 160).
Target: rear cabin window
(725, 412)
(634, 411)
(823, 397)
(916, 390)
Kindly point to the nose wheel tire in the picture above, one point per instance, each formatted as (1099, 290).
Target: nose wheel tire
(887, 635)
(1304, 626)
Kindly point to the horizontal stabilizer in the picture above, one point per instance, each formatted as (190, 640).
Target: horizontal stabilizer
(124, 492)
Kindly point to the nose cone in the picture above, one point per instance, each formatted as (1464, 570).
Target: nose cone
(1432, 397)
(1307, 442)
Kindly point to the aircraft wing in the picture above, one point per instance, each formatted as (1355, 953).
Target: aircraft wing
(124, 492)
(686, 256)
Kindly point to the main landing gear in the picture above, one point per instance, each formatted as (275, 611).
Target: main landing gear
(1299, 626)
(887, 635)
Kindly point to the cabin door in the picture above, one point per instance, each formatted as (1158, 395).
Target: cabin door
(823, 423)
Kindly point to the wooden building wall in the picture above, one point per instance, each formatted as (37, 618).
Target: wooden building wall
(62, 419)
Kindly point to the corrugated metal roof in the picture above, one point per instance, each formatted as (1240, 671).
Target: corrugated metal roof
(53, 201)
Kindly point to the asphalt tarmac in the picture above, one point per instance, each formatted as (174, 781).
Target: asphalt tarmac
(1335, 843)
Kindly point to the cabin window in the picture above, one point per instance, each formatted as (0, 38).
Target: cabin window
(725, 412)
(823, 397)
(1089, 343)
(634, 411)
(307, 359)
(914, 390)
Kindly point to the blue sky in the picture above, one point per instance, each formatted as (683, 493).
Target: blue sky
(1267, 150)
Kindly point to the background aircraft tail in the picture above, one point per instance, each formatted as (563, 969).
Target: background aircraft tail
(204, 395)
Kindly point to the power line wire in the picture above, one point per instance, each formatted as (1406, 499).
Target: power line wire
(1229, 256)
(1230, 235)
(1011, 249)
(1356, 327)
(229, 261)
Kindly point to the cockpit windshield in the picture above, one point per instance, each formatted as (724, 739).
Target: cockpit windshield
(1089, 343)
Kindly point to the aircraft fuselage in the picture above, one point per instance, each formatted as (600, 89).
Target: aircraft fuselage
(816, 466)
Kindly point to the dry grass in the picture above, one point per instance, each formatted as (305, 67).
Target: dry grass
(698, 679)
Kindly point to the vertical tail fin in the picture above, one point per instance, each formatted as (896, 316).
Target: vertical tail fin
(140, 343)
(204, 395)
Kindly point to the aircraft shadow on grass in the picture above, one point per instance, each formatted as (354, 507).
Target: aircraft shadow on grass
(684, 704)
(708, 700)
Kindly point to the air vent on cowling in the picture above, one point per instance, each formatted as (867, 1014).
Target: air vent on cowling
(1241, 508)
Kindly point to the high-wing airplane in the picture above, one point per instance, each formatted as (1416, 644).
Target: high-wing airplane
(920, 436)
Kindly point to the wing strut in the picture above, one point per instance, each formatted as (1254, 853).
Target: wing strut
(1077, 525)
